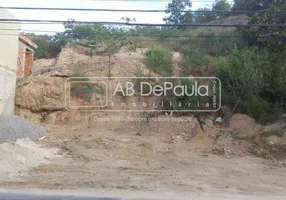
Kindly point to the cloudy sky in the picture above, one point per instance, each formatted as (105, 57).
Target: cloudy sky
(90, 16)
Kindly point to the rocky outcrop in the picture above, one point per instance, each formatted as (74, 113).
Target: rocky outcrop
(277, 129)
(70, 60)
(40, 94)
(42, 66)
(244, 127)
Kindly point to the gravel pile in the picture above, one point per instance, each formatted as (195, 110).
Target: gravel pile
(14, 127)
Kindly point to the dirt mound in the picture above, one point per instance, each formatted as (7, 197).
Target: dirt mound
(23, 155)
(70, 59)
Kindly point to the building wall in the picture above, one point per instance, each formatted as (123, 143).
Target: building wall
(21, 59)
(8, 63)
(25, 60)
(28, 68)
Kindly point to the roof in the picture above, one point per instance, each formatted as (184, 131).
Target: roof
(27, 41)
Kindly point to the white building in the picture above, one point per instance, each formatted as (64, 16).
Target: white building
(9, 40)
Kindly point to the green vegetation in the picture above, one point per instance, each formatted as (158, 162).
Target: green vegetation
(159, 60)
(78, 75)
(249, 61)
(48, 46)
(243, 74)
(100, 40)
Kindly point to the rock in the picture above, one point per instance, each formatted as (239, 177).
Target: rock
(27, 114)
(273, 129)
(244, 127)
(276, 142)
(272, 140)
(42, 66)
(226, 145)
(41, 94)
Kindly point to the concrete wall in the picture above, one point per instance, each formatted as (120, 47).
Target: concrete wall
(8, 63)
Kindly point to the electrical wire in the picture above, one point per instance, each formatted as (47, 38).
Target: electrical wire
(147, 11)
(132, 35)
(13, 34)
(164, 38)
(24, 21)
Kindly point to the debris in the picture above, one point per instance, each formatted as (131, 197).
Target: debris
(218, 120)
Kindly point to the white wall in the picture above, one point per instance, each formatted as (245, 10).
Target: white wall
(8, 63)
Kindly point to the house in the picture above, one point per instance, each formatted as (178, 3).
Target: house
(26, 51)
(8, 62)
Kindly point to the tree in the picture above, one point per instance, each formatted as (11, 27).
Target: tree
(221, 5)
(99, 39)
(271, 38)
(174, 10)
(49, 46)
(211, 14)
(205, 16)
(251, 4)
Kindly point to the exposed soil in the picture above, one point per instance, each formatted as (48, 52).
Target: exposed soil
(166, 156)
(148, 156)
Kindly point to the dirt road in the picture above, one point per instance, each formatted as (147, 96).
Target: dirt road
(149, 157)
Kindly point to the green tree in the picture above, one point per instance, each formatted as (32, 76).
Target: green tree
(210, 14)
(221, 5)
(99, 39)
(271, 38)
(252, 5)
(175, 14)
(49, 46)
(205, 16)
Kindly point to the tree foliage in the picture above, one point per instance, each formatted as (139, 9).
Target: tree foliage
(48, 46)
(99, 39)
(214, 13)
(271, 38)
(174, 10)
(252, 5)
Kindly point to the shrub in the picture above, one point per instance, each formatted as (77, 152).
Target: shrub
(159, 60)
(78, 75)
(193, 58)
(247, 80)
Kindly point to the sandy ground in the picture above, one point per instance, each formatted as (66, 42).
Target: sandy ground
(146, 157)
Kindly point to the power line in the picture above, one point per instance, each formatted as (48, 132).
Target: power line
(142, 39)
(25, 21)
(131, 34)
(144, 35)
(146, 11)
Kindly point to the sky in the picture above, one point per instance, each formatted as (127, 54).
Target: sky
(90, 16)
